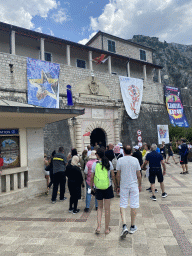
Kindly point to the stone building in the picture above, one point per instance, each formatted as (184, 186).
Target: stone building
(95, 87)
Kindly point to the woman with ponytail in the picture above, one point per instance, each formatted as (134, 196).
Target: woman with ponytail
(102, 175)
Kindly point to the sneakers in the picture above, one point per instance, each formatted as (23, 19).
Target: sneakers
(71, 209)
(86, 210)
(164, 195)
(148, 188)
(156, 191)
(132, 230)
(124, 232)
(153, 198)
(76, 211)
(61, 200)
(53, 202)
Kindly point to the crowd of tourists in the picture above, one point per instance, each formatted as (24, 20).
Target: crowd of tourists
(104, 172)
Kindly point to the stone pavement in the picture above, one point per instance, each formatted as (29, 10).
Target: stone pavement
(37, 228)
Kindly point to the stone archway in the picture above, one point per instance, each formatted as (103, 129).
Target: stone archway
(103, 126)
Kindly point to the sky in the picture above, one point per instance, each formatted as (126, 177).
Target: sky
(79, 20)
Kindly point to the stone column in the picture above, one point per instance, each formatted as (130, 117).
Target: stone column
(72, 133)
(68, 55)
(12, 42)
(159, 76)
(109, 65)
(128, 69)
(15, 181)
(90, 61)
(7, 183)
(78, 136)
(42, 48)
(144, 73)
(116, 131)
(22, 180)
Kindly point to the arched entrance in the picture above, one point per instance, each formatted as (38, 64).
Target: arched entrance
(98, 135)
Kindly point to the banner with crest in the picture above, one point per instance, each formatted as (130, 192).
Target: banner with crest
(132, 93)
(175, 107)
(43, 83)
(163, 133)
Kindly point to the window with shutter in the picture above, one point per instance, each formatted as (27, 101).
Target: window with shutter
(48, 56)
(111, 46)
(142, 55)
(81, 63)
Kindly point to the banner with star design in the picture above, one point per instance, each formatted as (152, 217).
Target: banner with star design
(43, 83)
(175, 107)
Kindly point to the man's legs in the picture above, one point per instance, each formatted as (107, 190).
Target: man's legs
(167, 159)
(107, 214)
(186, 167)
(62, 184)
(55, 187)
(133, 216)
(162, 187)
(153, 189)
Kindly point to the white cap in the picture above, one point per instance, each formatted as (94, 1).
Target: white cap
(136, 147)
(120, 144)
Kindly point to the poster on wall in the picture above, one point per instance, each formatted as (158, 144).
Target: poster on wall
(132, 92)
(9, 146)
(175, 107)
(43, 83)
(163, 133)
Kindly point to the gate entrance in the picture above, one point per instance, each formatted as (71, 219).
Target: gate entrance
(98, 136)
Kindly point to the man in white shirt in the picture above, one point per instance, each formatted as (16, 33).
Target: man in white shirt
(128, 171)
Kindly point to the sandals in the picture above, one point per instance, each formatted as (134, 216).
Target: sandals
(106, 232)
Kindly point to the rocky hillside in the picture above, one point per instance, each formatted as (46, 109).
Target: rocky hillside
(176, 60)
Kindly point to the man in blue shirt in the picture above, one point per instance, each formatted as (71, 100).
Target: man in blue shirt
(155, 160)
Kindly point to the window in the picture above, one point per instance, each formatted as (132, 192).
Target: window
(111, 46)
(48, 56)
(142, 55)
(81, 63)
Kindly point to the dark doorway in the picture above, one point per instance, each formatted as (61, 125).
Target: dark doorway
(98, 136)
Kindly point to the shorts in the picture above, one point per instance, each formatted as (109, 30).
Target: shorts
(170, 153)
(104, 193)
(184, 160)
(131, 193)
(46, 173)
(153, 172)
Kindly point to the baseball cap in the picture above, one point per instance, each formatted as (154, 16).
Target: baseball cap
(120, 144)
(136, 147)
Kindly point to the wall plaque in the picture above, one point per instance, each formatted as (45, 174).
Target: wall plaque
(97, 113)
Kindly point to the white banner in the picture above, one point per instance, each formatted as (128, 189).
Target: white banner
(163, 133)
(132, 92)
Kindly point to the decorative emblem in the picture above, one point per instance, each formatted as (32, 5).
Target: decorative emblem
(94, 87)
(135, 95)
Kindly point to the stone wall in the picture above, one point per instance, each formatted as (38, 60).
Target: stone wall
(57, 135)
(150, 116)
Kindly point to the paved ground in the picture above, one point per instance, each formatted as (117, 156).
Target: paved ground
(37, 227)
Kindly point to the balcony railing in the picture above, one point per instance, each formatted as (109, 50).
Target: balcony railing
(13, 179)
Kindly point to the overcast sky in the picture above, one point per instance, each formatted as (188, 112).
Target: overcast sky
(78, 20)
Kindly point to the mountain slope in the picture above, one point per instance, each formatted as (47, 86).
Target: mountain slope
(176, 60)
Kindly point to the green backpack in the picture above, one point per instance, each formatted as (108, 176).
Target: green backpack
(101, 178)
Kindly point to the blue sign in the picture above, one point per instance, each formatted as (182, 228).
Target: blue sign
(9, 132)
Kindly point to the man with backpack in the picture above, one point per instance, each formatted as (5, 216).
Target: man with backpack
(184, 151)
(128, 172)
